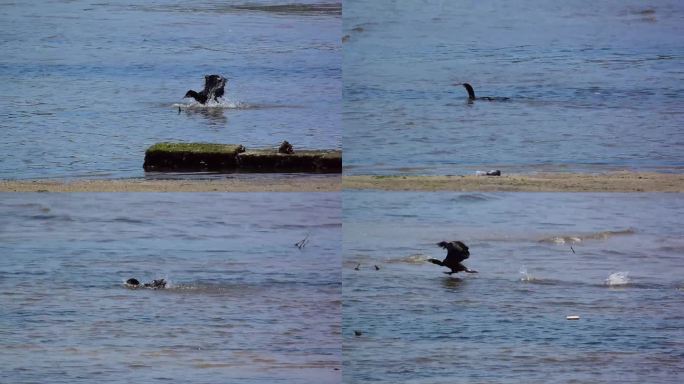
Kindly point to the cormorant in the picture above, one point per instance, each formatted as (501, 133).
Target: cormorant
(213, 89)
(471, 94)
(155, 284)
(457, 252)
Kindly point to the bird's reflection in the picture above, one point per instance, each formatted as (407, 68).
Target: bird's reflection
(453, 283)
(215, 116)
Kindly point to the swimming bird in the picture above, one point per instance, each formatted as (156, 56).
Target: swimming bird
(213, 89)
(155, 284)
(456, 253)
(471, 94)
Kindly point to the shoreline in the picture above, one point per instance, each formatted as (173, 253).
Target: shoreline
(622, 181)
(262, 184)
(540, 182)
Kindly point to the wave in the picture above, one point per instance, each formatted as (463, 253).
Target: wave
(410, 259)
(473, 198)
(602, 235)
(334, 8)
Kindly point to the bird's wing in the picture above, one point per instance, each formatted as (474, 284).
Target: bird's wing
(457, 252)
(213, 85)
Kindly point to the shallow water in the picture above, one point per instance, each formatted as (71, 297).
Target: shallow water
(92, 84)
(244, 303)
(593, 85)
(508, 322)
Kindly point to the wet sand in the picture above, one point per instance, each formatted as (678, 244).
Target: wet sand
(541, 182)
(290, 184)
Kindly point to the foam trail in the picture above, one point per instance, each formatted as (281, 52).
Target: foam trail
(618, 279)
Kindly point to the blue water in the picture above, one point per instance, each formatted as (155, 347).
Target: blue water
(541, 257)
(88, 86)
(244, 304)
(594, 86)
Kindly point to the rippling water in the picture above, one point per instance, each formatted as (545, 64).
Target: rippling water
(593, 86)
(619, 267)
(244, 304)
(88, 86)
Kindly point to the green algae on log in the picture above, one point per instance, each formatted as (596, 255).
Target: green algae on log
(179, 157)
(267, 160)
(198, 157)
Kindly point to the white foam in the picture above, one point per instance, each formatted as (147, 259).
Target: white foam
(211, 104)
(617, 279)
(525, 276)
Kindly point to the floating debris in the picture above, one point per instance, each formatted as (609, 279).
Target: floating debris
(358, 333)
(302, 243)
(357, 267)
(572, 317)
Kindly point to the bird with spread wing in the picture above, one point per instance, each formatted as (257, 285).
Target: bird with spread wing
(456, 253)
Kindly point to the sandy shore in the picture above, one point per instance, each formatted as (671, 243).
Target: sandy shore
(290, 184)
(543, 182)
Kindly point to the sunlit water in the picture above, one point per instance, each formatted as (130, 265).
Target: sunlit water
(507, 324)
(593, 86)
(244, 304)
(88, 86)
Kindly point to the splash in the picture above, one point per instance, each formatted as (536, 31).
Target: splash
(211, 104)
(618, 279)
(410, 259)
(602, 235)
(563, 239)
(524, 275)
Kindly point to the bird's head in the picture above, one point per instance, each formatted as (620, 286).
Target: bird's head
(189, 93)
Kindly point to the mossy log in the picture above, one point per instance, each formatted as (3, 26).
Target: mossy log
(188, 157)
(198, 157)
(267, 160)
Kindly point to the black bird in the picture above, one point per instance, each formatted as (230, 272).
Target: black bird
(457, 252)
(471, 94)
(156, 284)
(213, 89)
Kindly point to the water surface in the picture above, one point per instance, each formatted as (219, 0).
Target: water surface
(92, 84)
(541, 257)
(243, 305)
(594, 86)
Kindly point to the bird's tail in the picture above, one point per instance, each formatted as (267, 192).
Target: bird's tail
(435, 261)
